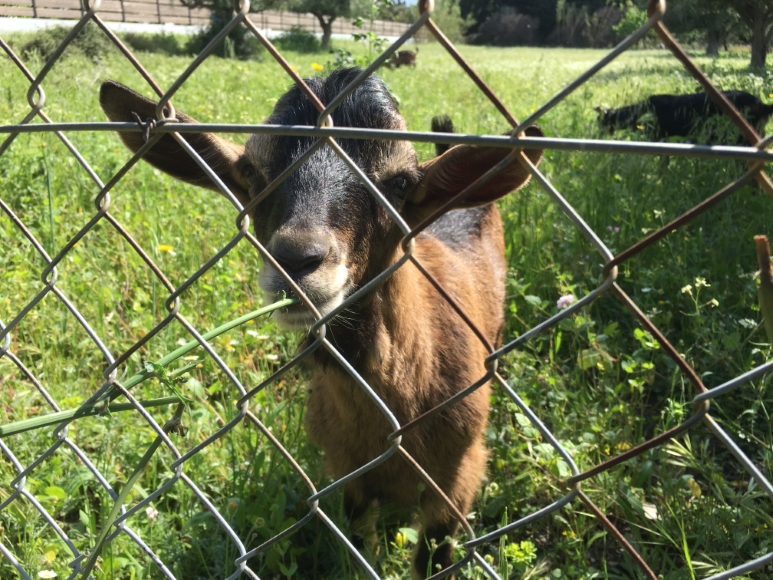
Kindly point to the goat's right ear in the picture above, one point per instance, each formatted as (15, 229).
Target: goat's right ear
(119, 102)
(450, 173)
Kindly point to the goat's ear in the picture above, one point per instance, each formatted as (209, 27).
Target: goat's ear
(119, 102)
(450, 173)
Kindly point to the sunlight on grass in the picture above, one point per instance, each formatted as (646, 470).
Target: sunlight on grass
(598, 381)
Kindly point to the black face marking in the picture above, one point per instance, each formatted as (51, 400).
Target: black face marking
(324, 190)
(323, 197)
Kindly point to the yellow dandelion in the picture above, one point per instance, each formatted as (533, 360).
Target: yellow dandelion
(167, 249)
(293, 68)
(316, 66)
(640, 127)
(50, 556)
(695, 489)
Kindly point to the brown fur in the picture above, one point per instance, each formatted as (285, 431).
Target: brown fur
(418, 337)
(403, 58)
(404, 339)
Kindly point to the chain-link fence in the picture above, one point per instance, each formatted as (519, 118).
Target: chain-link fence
(120, 520)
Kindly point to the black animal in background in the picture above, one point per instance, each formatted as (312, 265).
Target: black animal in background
(665, 116)
(442, 124)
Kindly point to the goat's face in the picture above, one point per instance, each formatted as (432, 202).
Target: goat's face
(322, 225)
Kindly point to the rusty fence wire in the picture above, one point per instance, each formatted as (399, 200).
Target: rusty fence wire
(81, 563)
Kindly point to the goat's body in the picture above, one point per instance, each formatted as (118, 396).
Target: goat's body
(403, 57)
(432, 355)
(684, 115)
(411, 348)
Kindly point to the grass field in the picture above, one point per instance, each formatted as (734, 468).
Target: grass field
(688, 507)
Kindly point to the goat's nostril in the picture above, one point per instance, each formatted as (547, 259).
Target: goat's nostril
(300, 259)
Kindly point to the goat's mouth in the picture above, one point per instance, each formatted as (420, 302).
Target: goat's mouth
(326, 290)
(298, 316)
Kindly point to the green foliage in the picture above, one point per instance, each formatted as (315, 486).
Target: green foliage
(447, 15)
(298, 40)
(598, 380)
(633, 19)
(239, 43)
(91, 42)
(164, 43)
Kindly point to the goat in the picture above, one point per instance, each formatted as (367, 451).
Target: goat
(331, 237)
(403, 57)
(683, 115)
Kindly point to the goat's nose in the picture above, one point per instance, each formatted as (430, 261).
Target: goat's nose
(300, 256)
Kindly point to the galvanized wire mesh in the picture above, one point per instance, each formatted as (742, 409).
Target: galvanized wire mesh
(326, 135)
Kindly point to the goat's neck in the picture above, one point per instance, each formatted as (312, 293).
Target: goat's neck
(368, 331)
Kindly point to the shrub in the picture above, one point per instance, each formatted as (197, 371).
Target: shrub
(508, 28)
(299, 40)
(238, 44)
(91, 42)
(164, 43)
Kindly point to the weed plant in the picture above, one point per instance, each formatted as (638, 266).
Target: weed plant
(298, 39)
(598, 380)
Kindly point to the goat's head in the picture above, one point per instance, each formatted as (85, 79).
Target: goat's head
(322, 225)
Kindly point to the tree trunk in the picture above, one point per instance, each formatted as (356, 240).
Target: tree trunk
(327, 29)
(714, 40)
(759, 43)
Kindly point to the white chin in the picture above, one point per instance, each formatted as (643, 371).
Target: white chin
(301, 318)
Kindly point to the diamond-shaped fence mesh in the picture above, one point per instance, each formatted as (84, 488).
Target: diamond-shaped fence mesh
(116, 387)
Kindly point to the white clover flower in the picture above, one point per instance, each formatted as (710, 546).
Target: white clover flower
(152, 513)
(565, 301)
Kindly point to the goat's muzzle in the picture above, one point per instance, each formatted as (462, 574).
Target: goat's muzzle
(313, 260)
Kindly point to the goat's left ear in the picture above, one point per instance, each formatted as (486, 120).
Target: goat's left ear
(450, 173)
(119, 102)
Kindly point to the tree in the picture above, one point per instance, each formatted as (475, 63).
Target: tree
(326, 11)
(758, 16)
(709, 21)
(449, 19)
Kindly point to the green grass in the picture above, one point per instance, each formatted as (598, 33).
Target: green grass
(599, 383)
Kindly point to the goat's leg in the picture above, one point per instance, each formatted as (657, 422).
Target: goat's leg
(433, 553)
(362, 514)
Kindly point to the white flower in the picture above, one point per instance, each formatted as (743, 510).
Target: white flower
(46, 574)
(687, 290)
(152, 513)
(565, 301)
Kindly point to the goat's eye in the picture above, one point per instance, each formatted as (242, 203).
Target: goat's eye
(398, 184)
(249, 173)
